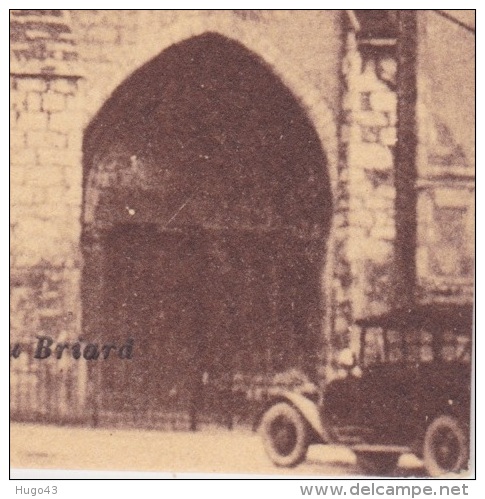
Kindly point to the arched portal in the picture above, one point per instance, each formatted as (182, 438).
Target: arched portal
(207, 207)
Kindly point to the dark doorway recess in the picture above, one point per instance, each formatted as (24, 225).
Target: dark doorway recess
(207, 209)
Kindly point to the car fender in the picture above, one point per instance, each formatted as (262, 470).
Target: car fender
(307, 408)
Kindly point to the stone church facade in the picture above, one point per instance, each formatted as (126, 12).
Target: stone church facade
(228, 191)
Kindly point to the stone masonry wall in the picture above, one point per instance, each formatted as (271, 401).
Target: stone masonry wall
(365, 220)
(445, 252)
(64, 66)
(45, 202)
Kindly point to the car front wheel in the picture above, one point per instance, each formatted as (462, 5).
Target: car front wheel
(285, 435)
(445, 448)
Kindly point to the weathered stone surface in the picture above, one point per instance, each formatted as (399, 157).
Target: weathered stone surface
(35, 120)
(383, 101)
(388, 136)
(370, 118)
(17, 140)
(46, 139)
(53, 101)
(65, 67)
(384, 232)
(63, 86)
(34, 101)
(22, 156)
(373, 156)
(32, 84)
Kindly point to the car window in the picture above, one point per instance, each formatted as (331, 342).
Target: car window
(418, 346)
(392, 346)
(456, 347)
(395, 340)
(374, 347)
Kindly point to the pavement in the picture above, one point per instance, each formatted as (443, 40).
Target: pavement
(212, 451)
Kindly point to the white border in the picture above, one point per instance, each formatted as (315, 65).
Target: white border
(81, 486)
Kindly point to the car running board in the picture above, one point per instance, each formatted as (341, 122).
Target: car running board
(398, 449)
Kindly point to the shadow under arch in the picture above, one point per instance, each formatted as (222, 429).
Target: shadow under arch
(207, 208)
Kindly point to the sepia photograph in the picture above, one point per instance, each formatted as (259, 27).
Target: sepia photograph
(242, 242)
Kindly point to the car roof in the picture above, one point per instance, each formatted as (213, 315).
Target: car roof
(430, 317)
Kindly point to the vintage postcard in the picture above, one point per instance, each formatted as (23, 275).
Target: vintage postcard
(243, 241)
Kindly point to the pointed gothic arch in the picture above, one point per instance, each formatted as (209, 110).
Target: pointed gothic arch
(207, 208)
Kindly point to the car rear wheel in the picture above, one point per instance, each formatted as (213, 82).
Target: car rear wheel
(445, 448)
(377, 463)
(285, 435)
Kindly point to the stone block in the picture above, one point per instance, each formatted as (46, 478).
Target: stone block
(31, 85)
(356, 249)
(32, 121)
(34, 101)
(102, 34)
(94, 55)
(356, 234)
(350, 133)
(66, 122)
(17, 139)
(341, 325)
(370, 133)
(52, 156)
(378, 307)
(71, 227)
(43, 176)
(368, 81)
(72, 157)
(26, 197)
(383, 101)
(379, 203)
(58, 194)
(380, 251)
(22, 157)
(382, 218)
(46, 139)
(63, 86)
(16, 177)
(362, 219)
(128, 35)
(75, 140)
(73, 176)
(385, 232)
(371, 156)
(370, 118)
(19, 211)
(73, 103)
(422, 261)
(365, 101)
(49, 248)
(356, 203)
(356, 175)
(343, 176)
(388, 136)
(341, 294)
(386, 192)
(14, 116)
(53, 102)
(75, 195)
(17, 100)
(391, 118)
(51, 211)
(350, 101)
(340, 220)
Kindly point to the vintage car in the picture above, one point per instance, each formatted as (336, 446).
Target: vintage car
(407, 389)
